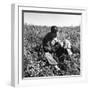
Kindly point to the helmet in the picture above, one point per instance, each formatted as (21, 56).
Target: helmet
(54, 29)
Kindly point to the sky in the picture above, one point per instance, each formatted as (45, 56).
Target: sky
(52, 19)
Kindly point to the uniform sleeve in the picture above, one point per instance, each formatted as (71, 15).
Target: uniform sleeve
(46, 43)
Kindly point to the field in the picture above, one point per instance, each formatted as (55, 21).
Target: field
(34, 62)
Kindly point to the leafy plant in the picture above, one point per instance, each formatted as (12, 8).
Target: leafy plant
(36, 65)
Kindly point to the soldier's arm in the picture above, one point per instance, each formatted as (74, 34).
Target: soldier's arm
(57, 40)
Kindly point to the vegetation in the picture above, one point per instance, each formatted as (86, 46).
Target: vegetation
(36, 65)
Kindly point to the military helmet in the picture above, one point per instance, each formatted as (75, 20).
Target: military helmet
(54, 29)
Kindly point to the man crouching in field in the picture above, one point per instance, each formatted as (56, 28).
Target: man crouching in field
(49, 41)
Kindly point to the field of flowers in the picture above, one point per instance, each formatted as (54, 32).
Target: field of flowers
(34, 62)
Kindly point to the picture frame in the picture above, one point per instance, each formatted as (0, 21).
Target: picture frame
(17, 16)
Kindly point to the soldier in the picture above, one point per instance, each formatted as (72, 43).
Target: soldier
(49, 40)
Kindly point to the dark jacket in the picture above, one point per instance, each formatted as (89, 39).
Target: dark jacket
(47, 41)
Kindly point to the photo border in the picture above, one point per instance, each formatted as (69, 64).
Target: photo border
(17, 48)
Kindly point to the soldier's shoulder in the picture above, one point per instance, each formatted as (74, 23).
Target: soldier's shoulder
(47, 35)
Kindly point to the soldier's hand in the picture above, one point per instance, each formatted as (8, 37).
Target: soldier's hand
(53, 42)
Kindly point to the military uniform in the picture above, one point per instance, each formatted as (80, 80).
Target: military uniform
(47, 46)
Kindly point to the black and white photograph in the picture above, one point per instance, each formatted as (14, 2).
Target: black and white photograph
(51, 44)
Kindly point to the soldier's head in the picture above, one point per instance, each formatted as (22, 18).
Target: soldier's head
(54, 29)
